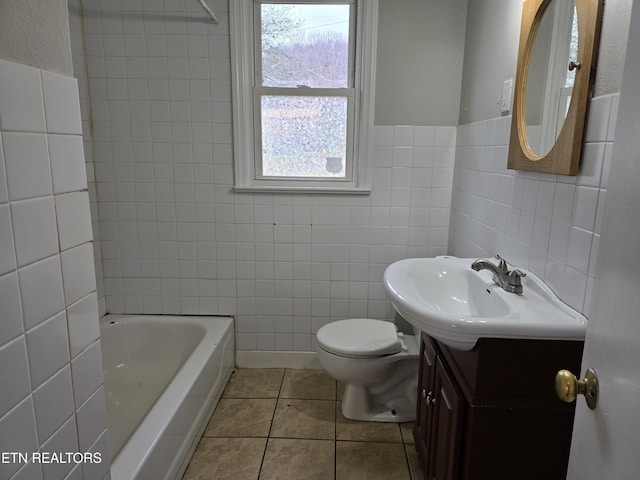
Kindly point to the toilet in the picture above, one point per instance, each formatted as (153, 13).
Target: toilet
(377, 364)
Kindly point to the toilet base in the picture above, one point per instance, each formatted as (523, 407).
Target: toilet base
(392, 402)
(356, 405)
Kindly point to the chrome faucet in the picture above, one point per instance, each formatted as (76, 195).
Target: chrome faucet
(509, 280)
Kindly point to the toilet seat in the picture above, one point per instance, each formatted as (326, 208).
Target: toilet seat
(360, 338)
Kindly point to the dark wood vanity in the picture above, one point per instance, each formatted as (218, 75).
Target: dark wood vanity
(492, 413)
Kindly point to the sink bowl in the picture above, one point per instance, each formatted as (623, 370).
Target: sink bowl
(448, 300)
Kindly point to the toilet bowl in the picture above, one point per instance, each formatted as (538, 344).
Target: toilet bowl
(377, 364)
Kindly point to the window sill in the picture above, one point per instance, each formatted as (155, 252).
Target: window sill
(308, 190)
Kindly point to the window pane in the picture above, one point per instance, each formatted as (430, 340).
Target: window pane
(304, 136)
(305, 45)
(573, 49)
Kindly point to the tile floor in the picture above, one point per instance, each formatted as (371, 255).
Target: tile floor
(287, 424)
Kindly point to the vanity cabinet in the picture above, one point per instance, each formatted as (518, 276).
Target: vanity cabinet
(492, 412)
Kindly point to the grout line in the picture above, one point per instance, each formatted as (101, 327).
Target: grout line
(406, 459)
(273, 416)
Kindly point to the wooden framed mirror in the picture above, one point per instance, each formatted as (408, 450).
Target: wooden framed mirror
(556, 67)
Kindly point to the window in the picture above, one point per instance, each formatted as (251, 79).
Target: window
(303, 77)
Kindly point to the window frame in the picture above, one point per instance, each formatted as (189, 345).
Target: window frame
(245, 91)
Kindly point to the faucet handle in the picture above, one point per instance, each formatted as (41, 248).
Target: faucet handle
(517, 274)
(503, 264)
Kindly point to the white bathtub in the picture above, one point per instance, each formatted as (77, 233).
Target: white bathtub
(163, 376)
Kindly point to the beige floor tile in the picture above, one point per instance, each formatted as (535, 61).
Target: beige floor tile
(242, 417)
(226, 459)
(371, 461)
(254, 383)
(298, 459)
(309, 438)
(304, 419)
(407, 432)
(308, 384)
(365, 431)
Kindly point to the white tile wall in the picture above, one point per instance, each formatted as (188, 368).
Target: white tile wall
(44, 209)
(71, 153)
(547, 223)
(174, 236)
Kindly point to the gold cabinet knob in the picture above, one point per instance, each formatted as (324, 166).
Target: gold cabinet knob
(568, 387)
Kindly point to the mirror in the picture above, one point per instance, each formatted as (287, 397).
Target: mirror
(556, 66)
(549, 80)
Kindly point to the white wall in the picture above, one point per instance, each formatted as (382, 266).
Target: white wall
(491, 53)
(490, 56)
(419, 62)
(176, 238)
(50, 363)
(549, 224)
(36, 33)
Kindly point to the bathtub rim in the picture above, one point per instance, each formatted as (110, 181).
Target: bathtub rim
(136, 450)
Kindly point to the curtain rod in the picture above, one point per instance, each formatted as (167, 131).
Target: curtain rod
(208, 10)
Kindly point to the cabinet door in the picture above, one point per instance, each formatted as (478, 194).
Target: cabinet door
(447, 411)
(424, 414)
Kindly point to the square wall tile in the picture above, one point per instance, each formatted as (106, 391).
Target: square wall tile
(445, 136)
(403, 136)
(579, 254)
(7, 248)
(61, 103)
(41, 290)
(82, 320)
(74, 219)
(4, 194)
(591, 164)
(92, 419)
(53, 402)
(86, 370)
(64, 440)
(34, 229)
(11, 325)
(67, 163)
(14, 375)
(27, 165)
(48, 348)
(98, 469)
(424, 136)
(598, 119)
(585, 208)
(18, 433)
(78, 272)
(21, 103)
(30, 471)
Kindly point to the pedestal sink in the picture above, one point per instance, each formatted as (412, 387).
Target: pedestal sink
(449, 301)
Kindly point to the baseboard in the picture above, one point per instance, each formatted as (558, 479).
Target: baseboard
(263, 359)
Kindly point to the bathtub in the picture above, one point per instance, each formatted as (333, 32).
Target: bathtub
(163, 376)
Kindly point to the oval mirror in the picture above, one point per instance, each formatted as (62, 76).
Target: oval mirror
(554, 78)
(549, 79)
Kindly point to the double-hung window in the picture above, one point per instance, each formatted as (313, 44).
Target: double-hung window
(303, 81)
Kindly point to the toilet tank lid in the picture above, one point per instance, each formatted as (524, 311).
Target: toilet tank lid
(359, 337)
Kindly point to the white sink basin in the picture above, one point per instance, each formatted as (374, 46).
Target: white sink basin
(448, 300)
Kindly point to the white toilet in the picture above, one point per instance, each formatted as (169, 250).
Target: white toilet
(377, 364)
